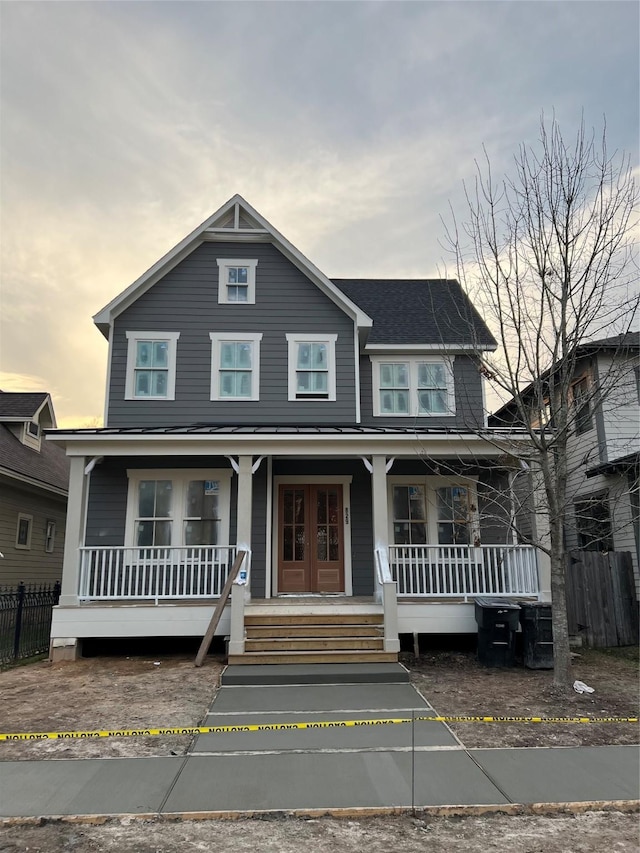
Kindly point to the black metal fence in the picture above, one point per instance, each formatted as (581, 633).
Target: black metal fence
(25, 620)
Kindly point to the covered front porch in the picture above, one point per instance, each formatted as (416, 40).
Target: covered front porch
(405, 535)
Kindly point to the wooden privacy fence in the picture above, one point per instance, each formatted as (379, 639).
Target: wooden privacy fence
(602, 605)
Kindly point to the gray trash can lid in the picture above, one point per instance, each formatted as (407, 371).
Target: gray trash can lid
(498, 603)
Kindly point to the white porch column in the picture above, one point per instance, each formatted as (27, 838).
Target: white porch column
(379, 497)
(245, 502)
(242, 592)
(74, 531)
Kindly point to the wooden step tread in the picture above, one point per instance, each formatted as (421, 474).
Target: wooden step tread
(314, 644)
(314, 657)
(284, 632)
(313, 618)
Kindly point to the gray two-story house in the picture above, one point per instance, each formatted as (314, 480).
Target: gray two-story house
(332, 429)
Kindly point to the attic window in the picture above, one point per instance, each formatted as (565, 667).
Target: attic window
(33, 429)
(236, 281)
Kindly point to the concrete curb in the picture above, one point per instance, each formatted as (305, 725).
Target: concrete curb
(625, 806)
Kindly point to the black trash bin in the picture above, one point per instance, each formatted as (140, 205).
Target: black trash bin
(537, 635)
(497, 620)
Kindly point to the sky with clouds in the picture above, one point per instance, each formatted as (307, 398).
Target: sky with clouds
(349, 125)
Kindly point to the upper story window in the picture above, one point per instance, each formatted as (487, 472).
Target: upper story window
(581, 393)
(151, 365)
(236, 281)
(31, 435)
(235, 366)
(312, 367)
(413, 387)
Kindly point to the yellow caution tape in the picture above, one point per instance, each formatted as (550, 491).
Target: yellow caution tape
(277, 727)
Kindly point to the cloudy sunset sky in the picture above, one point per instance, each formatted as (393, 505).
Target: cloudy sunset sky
(349, 126)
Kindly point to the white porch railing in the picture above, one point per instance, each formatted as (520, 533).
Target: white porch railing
(448, 571)
(194, 572)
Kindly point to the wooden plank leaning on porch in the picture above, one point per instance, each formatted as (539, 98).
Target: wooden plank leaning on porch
(217, 613)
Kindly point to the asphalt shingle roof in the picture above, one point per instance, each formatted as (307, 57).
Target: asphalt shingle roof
(20, 405)
(417, 311)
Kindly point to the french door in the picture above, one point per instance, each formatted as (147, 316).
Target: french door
(310, 539)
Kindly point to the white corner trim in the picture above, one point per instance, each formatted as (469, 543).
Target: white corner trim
(217, 338)
(133, 338)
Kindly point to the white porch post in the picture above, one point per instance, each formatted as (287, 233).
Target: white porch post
(385, 592)
(379, 497)
(74, 531)
(68, 648)
(241, 593)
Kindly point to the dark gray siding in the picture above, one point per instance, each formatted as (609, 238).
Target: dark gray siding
(107, 504)
(494, 507)
(259, 531)
(468, 390)
(186, 301)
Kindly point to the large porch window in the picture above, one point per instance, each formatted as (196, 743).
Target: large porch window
(173, 508)
(431, 510)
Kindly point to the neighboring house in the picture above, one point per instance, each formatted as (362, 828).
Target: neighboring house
(34, 478)
(603, 447)
(332, 428)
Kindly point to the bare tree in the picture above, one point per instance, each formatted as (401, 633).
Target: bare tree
(546, 255)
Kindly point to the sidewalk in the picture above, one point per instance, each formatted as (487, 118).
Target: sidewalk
(421, 765)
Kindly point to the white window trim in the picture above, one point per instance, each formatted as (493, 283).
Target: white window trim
(241, 337)
(431, 483)
(29, 440)
(180, 477)
(22, 516)
(294, 338)
(50, 538)
(412, 364)
(223, 264)
(133, 338)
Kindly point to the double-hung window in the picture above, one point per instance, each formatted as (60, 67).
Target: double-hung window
(235, 366)
(236, 281)
(417, 387)
(312, 367)
(151, 365)
(432, 510)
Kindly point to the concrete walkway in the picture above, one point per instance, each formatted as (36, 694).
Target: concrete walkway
(419, 765)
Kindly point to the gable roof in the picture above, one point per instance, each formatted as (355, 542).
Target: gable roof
(235, 220)
(47, 468)
(419, 311)
(18, 406)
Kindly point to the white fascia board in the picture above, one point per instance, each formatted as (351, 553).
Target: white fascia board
(106, 315)
(416, 348)
(464, 446)
(309, 269)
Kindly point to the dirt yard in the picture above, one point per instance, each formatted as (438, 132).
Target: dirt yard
(146, 691)
(129, 692)
(592, 832)
(456, 684)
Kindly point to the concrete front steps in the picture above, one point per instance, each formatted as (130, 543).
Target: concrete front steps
(304, 637)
